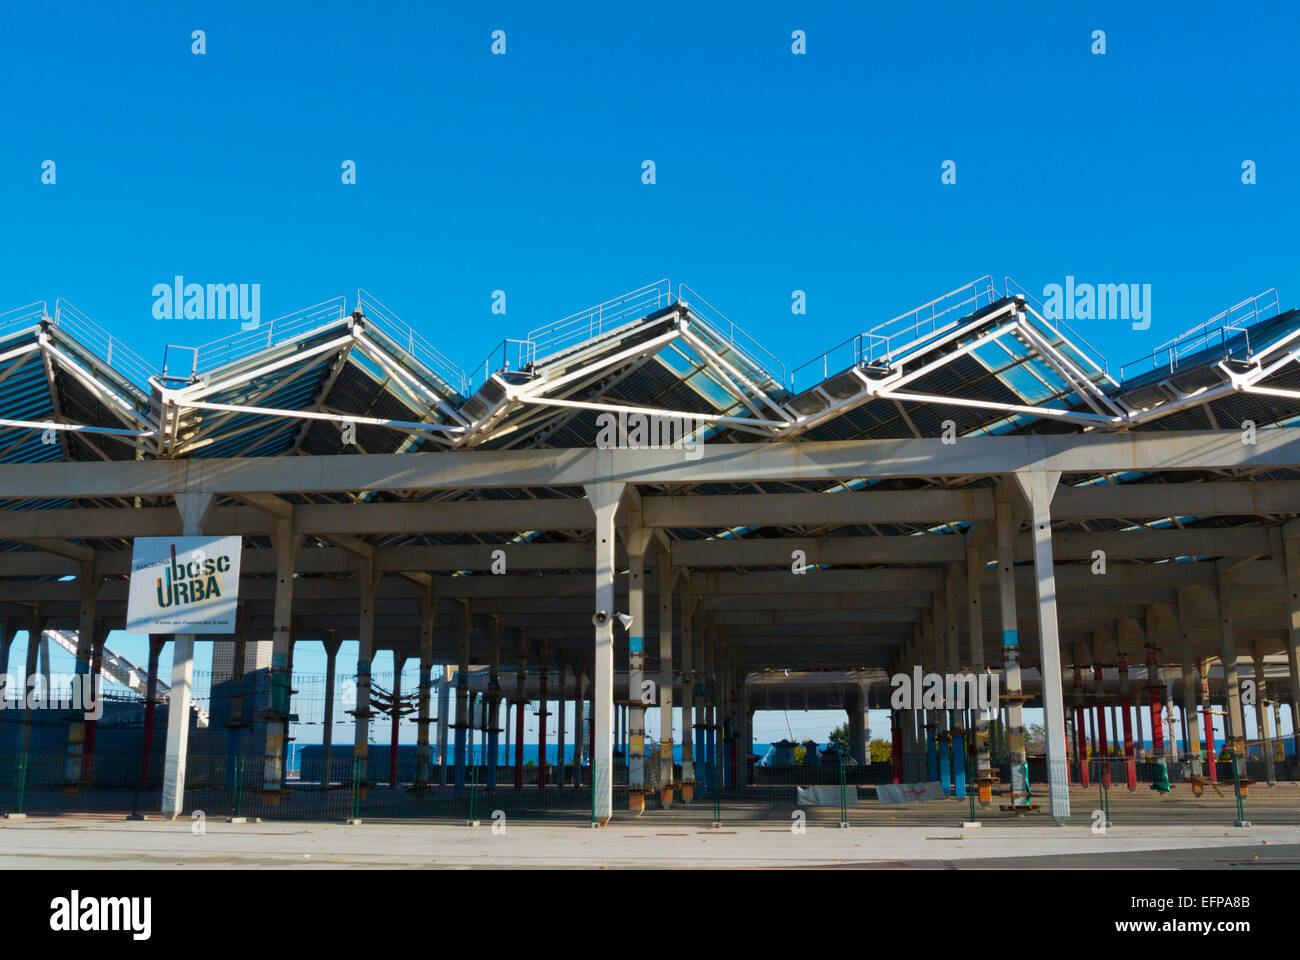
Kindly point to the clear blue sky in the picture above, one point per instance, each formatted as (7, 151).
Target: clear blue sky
(522, 172)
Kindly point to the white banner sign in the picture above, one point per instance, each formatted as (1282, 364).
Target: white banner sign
(183, 585)
(909, 792)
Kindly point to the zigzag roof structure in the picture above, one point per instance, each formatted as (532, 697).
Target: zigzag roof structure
(1149, 512)
(980, 360)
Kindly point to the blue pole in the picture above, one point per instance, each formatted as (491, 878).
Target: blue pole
(959, 764)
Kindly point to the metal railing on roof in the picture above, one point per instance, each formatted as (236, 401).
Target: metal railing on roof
(1059, 326)
(98, 340)
(887, 341)
(247, 342)
(1221, 330)
(22, 317)
(586, 325)
(403, 335)
(755, 355)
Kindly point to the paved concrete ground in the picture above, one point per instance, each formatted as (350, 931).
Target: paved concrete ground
(77, 843)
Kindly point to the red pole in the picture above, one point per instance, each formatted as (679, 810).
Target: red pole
(1126, 705)
(1102, 747)
(897, 736)
(1081, 746)
(88, 746)
(519, 743)
(1157, 731)
(541, 735)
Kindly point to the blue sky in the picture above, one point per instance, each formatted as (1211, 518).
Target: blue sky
(522, 172)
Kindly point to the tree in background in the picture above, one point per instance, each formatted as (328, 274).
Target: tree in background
(839, 738)
(880, 751)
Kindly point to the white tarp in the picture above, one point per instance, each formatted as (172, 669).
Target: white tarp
(908, 792)
(183, 585)
(825, 796)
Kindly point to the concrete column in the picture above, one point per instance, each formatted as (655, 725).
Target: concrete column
(975, 625)
(331, 642)
(855, 712)
(688, 692)
(461, 727)
(951, 603)
(88, 583)
(1193, 737)
(1262, 719)
(1038, 488)
(1291, 562)
(35, 628)
(192, 508)
(100, 634)
(665, 580)
(561, 703)
(1126, 712)
(637, 538)
(521, 703)
(475, 699)
(579, 726)
(726, 723)
(444, 719)
(698, 689)
(743, 739)
(492, 711)
(46, 676)
(541, 715)
(368, 581)
(8, 630)
(506, 725)
(424, 691)
(285, 543)
(235, 718)
(1232, 685)
(605, 498)
(395, 717)
(710, 706)
(1014, 731)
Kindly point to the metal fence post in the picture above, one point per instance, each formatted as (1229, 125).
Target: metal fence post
(356, 787)
(844, 801)
(473, 782)
(1236, 789)
(239, 788)
(717, 786)
(22, 781)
